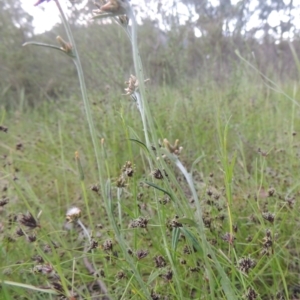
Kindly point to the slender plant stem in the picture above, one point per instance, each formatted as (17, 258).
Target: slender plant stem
(207, 249)
(99, 155)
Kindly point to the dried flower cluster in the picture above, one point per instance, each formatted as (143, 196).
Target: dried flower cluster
(126, 171)
(267, 243)
(142, 253)
(132, 85)
(46, 269)
(65, 46)
(246, 264)
(4, 201)
(108, 245)
(3, 128)
(28, 220)
(160, 262)
(140, 222)
(175, 223)
(112, 8)
(268, 216)
(157, 174)
(174, 149)
(251, 294)
(73, 214)
(227, 237)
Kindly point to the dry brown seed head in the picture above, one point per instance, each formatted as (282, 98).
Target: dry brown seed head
(19, 232)
(108, 245)
(28, 220)
(160, 262)
(251, 294)
(65, 46)
(111, 6)
(157, 174)
(140, 222)
(132, 85)
(268, 216)
(31, 238)
(19, 146)
(121, 182)
(4, 201)
(4, 129)
(169, 275)
(271, 192)
(155, 296)
(73, 214)
(245, 264)
(95, 188)
(175, 149)
(120, 275)
(141, 254)
(128, 169)
(227, 237)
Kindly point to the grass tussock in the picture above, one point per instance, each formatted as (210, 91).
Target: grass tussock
(41, 179)
(162, 193)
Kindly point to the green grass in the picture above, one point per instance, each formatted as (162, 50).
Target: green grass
(183, 193)
(235, 182)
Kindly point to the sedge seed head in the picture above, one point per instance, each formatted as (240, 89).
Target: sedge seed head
(73, 214)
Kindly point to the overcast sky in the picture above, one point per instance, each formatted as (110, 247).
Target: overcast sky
(45, 16)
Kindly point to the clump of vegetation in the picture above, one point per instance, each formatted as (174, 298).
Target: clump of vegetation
(167, 193)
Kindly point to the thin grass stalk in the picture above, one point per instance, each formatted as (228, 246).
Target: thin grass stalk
(83, 89)
(97, 151)
(29, 287)
(119, 199)
(138, 66)
(121, 241)
(148, 122)
(148, 127)
(207, 249)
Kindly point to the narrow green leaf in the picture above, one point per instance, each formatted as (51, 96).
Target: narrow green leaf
(29, 287)
(154, 275)
(79, 166)
(160, 189)
(192, 239)
(47, 46)
(187, 221)
(196, 161)
(108, 194)
(140, 143)
(175, 238)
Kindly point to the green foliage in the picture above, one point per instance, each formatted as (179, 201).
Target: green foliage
(87, 211)
(171, 57)
(40, 174)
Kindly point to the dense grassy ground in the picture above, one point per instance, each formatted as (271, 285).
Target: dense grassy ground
(243, 129)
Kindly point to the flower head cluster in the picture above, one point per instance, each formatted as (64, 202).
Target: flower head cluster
(132, 85)
(112, 8)
(28, 220)
(246, 264)
(73, 214)
(175, 149)
(65, 46)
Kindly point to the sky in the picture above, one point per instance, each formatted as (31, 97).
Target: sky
(46, 15)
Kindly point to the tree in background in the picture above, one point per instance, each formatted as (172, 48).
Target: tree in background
(197, 38)
(15, 29)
